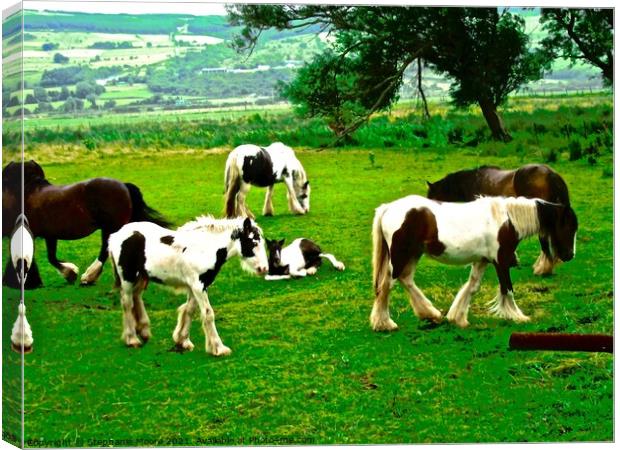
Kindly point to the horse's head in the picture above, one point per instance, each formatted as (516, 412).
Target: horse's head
(302, 192)
(442, 191)
(275, 253)
(251, 246)
(559, 223)
(12, 178)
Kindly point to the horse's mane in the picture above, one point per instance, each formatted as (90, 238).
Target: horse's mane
(211, 224)
(522, 213)
(473, 171)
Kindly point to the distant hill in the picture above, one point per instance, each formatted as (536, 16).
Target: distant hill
(155, 60)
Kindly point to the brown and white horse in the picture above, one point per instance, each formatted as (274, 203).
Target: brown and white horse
(487, 230)
(531, 181)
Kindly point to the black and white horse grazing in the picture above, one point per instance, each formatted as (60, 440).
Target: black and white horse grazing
(252, 165)
(22, 264)
(484, 231)
(302, 257)
(187, 259)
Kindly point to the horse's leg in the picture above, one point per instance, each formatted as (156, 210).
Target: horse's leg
(21, 335)
(422, 306)
(129, 320)
(504, 305)
(545, 262)
(93, 272)
(268, 207)
(143, 323)
(68, 270)
(460, 306)
(242, 207)
(293, 204)
(213, 343)
(184, 322)
(380, 316)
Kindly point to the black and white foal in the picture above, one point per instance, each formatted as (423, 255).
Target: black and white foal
(187, 259)
(302, 257)
(252, 165)
(484, 231)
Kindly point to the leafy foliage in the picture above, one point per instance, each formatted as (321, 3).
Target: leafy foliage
(581, 35)
(484, 52)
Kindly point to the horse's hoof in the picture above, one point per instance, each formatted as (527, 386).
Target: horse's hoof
(71, 277)
(133, 343)
(145, 337)
(390, 325)
(461, 323)
(222, 350)
(18, 348)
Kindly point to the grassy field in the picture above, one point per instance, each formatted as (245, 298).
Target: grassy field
(306, 367)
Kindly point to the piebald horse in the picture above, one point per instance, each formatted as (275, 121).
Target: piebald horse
(71, 212)
(252, 165)
(531, 180)
(300, 258)
(188, 260)
(487, 230)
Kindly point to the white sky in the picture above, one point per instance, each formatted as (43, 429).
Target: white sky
(212, 7)
(197, 8)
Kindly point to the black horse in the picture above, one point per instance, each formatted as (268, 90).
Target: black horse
(71, 212)
(531, 181)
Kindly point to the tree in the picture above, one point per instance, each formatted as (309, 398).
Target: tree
(40, 94)
(484, 52)
(64, 93)
(43, 107)
(92, 98)
(581, 35)
(84, 88)
(60, 58)
(48, 46)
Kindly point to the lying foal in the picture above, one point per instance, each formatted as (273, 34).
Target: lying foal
(302, 257)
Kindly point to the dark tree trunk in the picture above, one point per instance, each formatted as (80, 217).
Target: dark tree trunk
(427, 115)
(494, 121)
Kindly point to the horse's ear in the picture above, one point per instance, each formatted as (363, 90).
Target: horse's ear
(281, 242)
(429, 184)
(306, 184)
(247, 224)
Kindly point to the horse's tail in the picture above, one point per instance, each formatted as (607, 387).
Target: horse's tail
(380, 252)
(141, 212)
(232, 184)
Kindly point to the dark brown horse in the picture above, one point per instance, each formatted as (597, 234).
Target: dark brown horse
(71, 212)
(531, 181)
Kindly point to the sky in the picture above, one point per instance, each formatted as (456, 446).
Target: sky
(211, 7)
(132, 7)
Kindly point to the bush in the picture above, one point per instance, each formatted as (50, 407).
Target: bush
(48, 46)
(574, 150)
(60, 59)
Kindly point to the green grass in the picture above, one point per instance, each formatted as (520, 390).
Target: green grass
(306, 367)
